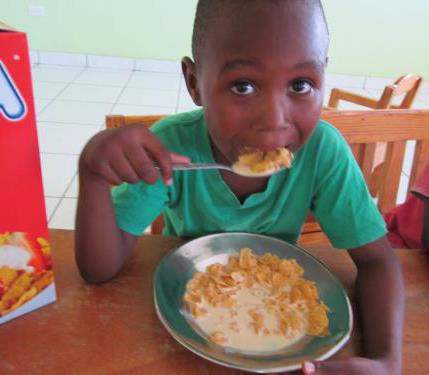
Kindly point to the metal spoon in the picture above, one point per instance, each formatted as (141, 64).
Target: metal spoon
(242, 171)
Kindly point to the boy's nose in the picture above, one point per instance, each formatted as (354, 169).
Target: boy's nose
(273, 116)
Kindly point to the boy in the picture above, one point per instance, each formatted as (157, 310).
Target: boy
(258, 74)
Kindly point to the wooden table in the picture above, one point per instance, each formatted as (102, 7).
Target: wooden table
(111, 328)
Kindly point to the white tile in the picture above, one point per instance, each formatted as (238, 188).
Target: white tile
(162, 66)
(96, 61)
(378, 83)
(144, 97)
(65, 215)
(47, 73)
(58, 171)
(420, 105)
(73, 190)
(424, 98)
(76, 112)
(341, 80)
(152, 80)
(424, 88)
(64, 138)
(374, 93)
(185, 102)
(34, 56)
(60, 58)
(103, 77)
(91, 93)
(403, 189)
(41, 104)
(48, 90)
(183, 86)
(51, 204)
(125, 109)
(409, 157)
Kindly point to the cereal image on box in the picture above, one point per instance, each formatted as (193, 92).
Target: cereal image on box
(25, 270)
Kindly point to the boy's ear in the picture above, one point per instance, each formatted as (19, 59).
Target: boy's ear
(190, 75)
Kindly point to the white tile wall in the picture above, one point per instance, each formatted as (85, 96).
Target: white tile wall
(162, 66)
(48, 73)
(91, 93)
(73, 112)
(146, 97)
(55, 138)
(41, 104)
(341, 81)
(102, 77)
(65, 214)
(95, 61)
(58, 171)
(155, 81)
(65, 59)
(126, 109)
(51, 205)
(48, 90)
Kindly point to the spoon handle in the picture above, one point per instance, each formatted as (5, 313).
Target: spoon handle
(193, 166)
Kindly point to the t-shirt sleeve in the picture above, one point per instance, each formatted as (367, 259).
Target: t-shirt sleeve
(137, 205)
(342, 203)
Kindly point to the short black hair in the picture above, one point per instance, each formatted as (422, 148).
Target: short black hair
(209, 11)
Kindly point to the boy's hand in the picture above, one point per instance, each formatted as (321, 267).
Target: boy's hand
(128, 154)
(349, 366)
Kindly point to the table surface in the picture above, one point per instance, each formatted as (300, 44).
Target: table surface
(113, 327)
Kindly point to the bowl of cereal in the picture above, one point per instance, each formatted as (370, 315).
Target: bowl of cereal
(251, 302)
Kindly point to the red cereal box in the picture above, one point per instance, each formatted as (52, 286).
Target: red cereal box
(26, 277)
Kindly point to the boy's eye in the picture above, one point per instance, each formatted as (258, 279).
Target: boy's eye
(301, 86)
(243, 88)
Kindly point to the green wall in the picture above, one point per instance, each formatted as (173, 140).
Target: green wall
(369, 37)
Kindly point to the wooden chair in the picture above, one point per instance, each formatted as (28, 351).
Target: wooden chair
(361, 129)
(407, 86)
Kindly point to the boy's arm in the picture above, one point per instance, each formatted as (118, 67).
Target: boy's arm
(110, 158)
(101, 247)
(380, 301)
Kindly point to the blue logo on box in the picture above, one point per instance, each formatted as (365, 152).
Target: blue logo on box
(12, 106)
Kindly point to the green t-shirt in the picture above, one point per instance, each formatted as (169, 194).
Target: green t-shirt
(324, 179)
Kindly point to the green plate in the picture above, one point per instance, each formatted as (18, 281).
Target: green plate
(178, 267)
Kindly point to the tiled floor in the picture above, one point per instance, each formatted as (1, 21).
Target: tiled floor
(71, 103)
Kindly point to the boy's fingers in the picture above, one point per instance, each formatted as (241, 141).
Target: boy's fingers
(124, 170)
(349, 366)
(142, 164)
(109, 175)
(162, 158)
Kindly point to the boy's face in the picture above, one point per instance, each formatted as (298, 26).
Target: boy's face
(261, 77)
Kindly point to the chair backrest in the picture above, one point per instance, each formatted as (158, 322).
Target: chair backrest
(408, 85)
(363, 129)
(116, 121)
